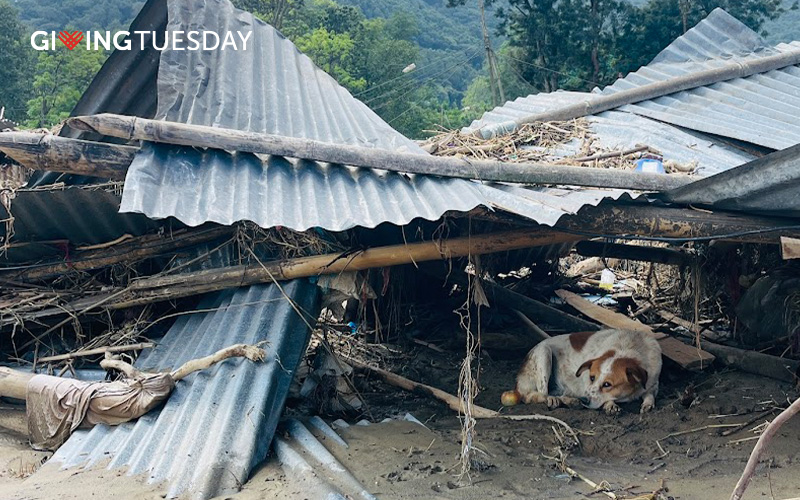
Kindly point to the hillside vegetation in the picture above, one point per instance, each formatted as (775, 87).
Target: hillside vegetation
(419, 64)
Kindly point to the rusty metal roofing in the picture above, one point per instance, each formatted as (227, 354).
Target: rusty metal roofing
(218, 423)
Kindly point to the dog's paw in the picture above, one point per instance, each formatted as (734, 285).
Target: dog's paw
(611, 408)
(570, 402)
(553, 402)
(647, 406)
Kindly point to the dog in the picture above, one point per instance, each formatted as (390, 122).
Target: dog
(597, 369)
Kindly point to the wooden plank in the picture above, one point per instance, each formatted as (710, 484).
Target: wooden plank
(605, 316)
(696, 329)
(687, 356)
(130, 128)
(790, 248)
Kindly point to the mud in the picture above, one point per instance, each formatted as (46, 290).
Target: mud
(403, 460)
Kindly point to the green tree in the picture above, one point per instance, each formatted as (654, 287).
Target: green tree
(61, 78)
(565, 43)
(273, 12)
(54, 15)
(333, 52)
(478, 97)
(16, 63)
(579, 44)
(657, 23)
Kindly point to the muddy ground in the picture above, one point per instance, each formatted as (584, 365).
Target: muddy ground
(403, 460)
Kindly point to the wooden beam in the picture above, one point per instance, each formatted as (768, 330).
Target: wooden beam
(688, 325)
(790, 248)
(130, 128)
(632, 252)
(131, 250)
(72, 156)
(533, 327)
(756, 362)
(688, 357)
(679, 223)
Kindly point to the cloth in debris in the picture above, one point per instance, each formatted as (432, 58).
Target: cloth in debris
(57, 406)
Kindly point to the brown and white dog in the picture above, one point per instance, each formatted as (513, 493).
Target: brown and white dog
(598, 369)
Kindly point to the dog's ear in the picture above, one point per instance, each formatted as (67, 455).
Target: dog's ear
(636, 374)
(585, 366)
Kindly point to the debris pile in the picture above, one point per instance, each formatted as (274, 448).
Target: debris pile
(558, 143)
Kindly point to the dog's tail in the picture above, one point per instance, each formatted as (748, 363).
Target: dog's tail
(511, 398)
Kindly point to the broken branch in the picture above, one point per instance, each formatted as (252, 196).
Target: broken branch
(451, 401)
(761, 446)
(72, 156)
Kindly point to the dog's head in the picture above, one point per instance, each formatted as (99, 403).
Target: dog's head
(612, 378)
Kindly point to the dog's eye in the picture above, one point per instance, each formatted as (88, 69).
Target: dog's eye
(591, 378)
(606, 385)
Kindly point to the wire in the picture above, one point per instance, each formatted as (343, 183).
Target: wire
(550, 70)
(411, 83)
(679, 240)
(415, 72)
(414, 87)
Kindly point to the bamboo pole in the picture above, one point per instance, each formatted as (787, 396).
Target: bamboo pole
(156, 289)
(632, 252)
(182, 285)
(131, 128)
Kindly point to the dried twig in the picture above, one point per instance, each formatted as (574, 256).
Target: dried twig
(99, 350)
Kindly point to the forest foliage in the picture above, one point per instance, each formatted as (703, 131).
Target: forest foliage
(419, 64)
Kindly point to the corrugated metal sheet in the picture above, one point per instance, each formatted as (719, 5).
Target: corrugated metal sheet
(767, 185)
(761, 109)
(218, 423)
(126, 84)
(297, 194)
(82, 215)
(619, 130)
(548, 205)
(273, 88)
